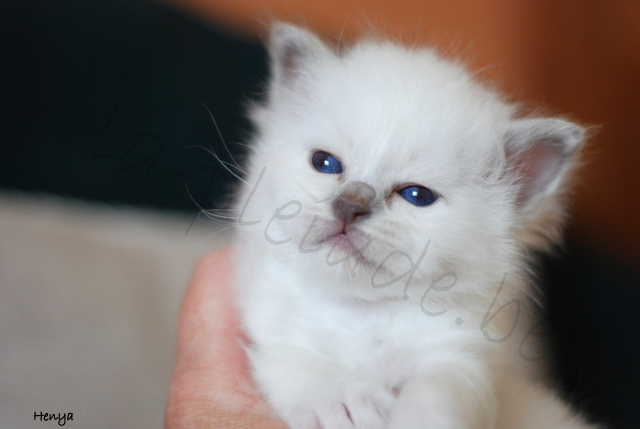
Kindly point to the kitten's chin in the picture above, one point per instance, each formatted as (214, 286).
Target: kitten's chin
(340, 265)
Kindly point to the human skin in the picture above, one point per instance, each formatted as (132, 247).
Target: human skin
(212, 386)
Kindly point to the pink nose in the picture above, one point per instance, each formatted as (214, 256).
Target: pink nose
(354, 201)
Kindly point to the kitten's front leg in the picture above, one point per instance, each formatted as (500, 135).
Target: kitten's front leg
(310, 391)
(448, 398)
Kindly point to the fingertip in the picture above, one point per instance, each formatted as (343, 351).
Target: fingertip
(216, 264)
(207, 315)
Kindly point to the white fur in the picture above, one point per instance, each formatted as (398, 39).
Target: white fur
(332, 346)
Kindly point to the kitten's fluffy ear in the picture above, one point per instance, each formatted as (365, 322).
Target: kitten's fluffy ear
(539, 152)
(293, 51)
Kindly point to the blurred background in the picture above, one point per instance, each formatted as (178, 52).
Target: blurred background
(105, 122)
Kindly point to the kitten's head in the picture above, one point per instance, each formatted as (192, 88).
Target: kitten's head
(397, 162)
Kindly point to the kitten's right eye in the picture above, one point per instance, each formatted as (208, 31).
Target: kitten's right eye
(324, 162)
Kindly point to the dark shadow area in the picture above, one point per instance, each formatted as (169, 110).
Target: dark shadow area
(105, 101)
(593, 309)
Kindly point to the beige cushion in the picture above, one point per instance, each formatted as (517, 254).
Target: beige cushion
(89, 297)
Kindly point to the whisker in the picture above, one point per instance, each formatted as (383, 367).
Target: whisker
(224, 164)
(248, 146)
(233, 166)
(208, 213)
(214, 234)
(220, 135)
(228, 210)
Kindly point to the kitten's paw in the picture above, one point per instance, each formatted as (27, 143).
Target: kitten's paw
(440, 401)
(362, 407)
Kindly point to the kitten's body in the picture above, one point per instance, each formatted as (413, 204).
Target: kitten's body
(395, 315)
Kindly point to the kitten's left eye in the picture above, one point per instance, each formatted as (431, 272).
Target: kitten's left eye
(324, 162)
(418, 195)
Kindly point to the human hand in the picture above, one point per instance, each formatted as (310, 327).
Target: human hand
(212, 386)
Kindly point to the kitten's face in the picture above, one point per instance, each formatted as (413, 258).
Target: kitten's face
(389, 164)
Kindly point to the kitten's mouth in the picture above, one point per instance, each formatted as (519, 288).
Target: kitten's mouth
(345, 242)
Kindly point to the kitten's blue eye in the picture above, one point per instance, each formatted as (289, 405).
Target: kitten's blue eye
(326, 163)
(418, 195)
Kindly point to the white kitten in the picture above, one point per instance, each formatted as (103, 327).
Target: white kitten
(381, 269)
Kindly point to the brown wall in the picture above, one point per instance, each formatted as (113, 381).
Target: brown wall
(576, 58)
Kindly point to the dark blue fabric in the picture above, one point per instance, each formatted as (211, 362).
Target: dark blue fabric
(105, 100)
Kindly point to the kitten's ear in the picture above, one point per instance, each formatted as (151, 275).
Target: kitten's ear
(539, 152)
(292, 50)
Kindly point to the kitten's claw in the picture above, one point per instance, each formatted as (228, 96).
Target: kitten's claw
(357, 409)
